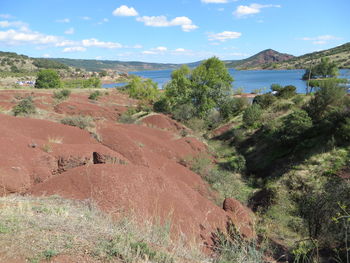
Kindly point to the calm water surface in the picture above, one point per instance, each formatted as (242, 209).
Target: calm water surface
(247, 80)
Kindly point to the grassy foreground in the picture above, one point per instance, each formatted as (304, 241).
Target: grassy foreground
(37, 229)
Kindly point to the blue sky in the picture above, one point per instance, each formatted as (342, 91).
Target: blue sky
(174, 31)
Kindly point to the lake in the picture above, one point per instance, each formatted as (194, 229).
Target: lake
(246, 80)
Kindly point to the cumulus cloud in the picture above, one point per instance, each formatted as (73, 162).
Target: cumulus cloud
(124, 10)
(215, 1)
(74, 49)
(162, 21)
(64, 20)
(223, 36)
(17, 24)
(321, 40)
(69, 31)
(15, 37)
(93, 42)
(180, 50)
(161, 49)
(245, 10)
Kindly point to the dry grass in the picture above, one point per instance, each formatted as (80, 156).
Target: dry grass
(38, 228)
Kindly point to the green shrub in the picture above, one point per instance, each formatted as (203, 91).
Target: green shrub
(79, 121)
(252, 116)
(95, 95)
(295, 125)
(184, 112)
(236, 163)
(344, 130)
(284, 92)
(232, 107)
(25, 107)
(62, 94)
(127, 117)
(48, 79)
(145, 90)
(265, 100)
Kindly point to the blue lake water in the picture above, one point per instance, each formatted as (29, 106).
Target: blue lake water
(247, 80)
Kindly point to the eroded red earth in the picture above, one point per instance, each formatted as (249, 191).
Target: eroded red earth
(131, 169)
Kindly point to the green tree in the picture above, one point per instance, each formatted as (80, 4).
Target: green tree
(178, 90)
(25, 107)
(324, 69)
(145, 90)
(48, 79)
(211, 84)
(329, 96)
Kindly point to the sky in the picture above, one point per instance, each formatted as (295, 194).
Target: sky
(171, 31)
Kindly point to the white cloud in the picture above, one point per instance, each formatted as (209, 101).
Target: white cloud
(65, 43)
(223, 36)
(124, 10)
(161, 49)
(74, 49)
(214, 1)
(321, 40)
(17, 24)
(149, 52)
(64, 20)
(86, 18)
(161, 21)
(69, 31)
(180, 50)
(46, 55)
(245, 10)
(14, 37)
(93, 42)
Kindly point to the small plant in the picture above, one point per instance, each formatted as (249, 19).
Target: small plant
(47, 148)
(25, 107)
(81, 122)
(62, 94)
(55, 140)
(252, 116)
(49, 254)
(95, 95)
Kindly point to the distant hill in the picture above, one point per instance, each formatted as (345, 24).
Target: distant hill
(100, 65)
(340, 55)
(12, 62)
(268, 56)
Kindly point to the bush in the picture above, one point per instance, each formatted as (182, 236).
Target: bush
(252, 116)
(25, 107)
(232, 107)
(127, 117)
(48, 79)
(62, 94)
(81, 122)
(184, 112)
(236, 163)
(329, 96)
(344, 130)
(284, 92)
(295, 125)
(145, 90)
(265, 100)
(95, 95)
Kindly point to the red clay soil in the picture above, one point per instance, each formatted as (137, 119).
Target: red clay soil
(163, 122)
(135, 169)
(89, 109)
(222, 129)
(146, 193)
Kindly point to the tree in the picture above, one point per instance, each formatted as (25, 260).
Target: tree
(211, 84)
(178, 91)
(48, 79)
(324, 69)
(145, 90)
(328, 96)
(205, 88)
